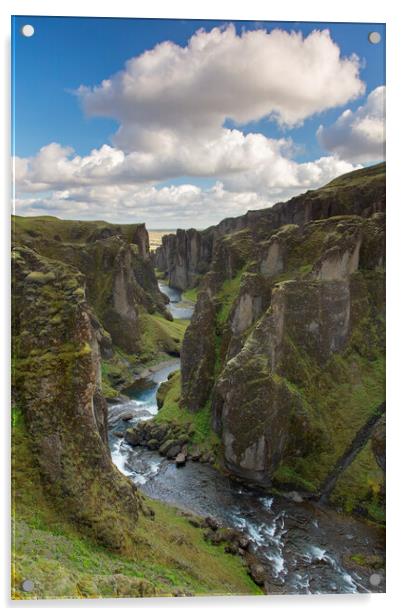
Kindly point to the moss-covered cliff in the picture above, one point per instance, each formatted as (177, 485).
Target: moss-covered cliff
(184, 257)
(120, 283)
(86, 312)
(56, 382)
(289, 336)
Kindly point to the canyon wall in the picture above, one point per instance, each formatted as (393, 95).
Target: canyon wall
(57, 384)
(287, 342)
(187, 255)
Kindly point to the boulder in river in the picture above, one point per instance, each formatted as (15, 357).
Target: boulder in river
(212, 523)
(133, 436)
(126, 417)
(166, 445)
(180, 459)
(173, 451)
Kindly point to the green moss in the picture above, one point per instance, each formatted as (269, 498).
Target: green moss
(361, 487)
(197, 425)
(169, 555)
(160, 275)
(40, 277)
(286, 476)
(227, 295)
(160, 335)
(190, 294)
(368, 560)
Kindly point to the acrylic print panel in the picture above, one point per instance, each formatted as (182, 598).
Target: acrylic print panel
(198, 308)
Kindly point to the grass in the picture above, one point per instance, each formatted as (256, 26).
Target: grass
(198, 423)
(191, 294)
(160, 335)
(338, 400)
(170, 555)
(360, 485)
(71, 231)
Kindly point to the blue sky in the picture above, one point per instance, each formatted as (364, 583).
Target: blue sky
(65, 53)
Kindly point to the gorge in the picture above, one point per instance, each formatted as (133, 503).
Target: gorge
(278, 400)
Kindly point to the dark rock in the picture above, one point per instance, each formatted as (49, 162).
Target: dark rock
(212, 523)
(159, 431)
(244, 542)
(195, 453)
(231, 549)
(173, 451)
(133, 436)
(257, 573)
(166, 445)
(180, 459)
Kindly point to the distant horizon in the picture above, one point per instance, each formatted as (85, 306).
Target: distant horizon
(169, 229)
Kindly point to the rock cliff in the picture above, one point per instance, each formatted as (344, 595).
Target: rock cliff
(287, 340)
(187, 255)
(57, 384)
(119, 277)
(85, 303)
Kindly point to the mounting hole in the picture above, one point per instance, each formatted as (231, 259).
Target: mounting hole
(27, 585)
(27, 30)
(375, 579)
(374, 37)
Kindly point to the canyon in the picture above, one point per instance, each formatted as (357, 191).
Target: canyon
(281, 379)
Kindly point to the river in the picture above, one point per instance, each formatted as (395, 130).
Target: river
(302, 545)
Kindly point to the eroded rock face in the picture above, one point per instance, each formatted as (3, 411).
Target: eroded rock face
(272, 261)
(115, 259)
(198, 354)
(259, 407)
(187, 255)
(298, 325)
(57, 384)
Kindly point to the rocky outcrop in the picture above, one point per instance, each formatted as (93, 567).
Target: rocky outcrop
(57, 384)
(294, 339)
(187, 255)
(198, 354)
(120, 281)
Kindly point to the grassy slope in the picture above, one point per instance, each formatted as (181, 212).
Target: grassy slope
(74, 231)
(198, 424)
(170, 555)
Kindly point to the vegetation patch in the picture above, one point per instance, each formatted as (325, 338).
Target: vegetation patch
(169, 555)
(197, 425)
(158, 335)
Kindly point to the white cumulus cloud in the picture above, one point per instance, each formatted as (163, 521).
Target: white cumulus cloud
(59, 182)
(172, 102)
(358, 136)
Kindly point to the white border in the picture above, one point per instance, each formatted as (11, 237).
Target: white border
(291, 10)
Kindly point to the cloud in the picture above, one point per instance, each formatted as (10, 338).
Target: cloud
(243, 162)
(58, 182)
(171, 104)
(358, 136)
(172, 101)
